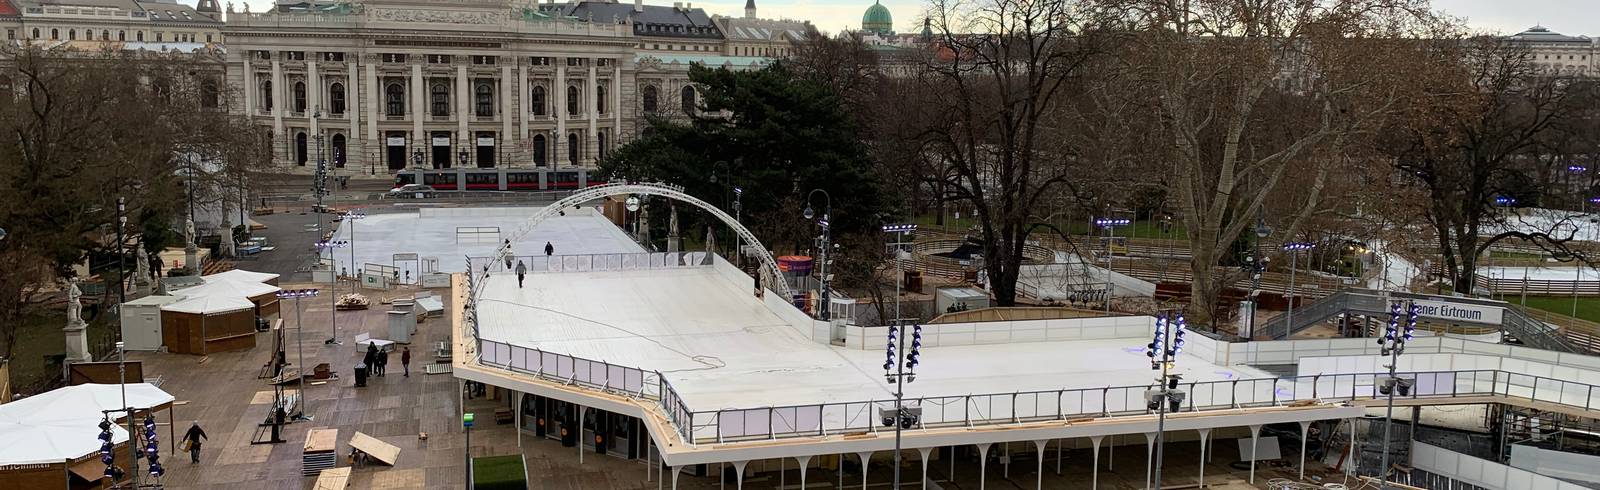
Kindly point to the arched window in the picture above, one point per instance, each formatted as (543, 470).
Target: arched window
(650, 98)
(208, 38)
(483, 97)
(338, 150)
(72, 34)
(688, 100)
(572, 101)
(139, 35)
(299, 96)
(209, 95)
(600, 99)
(572, 148)
(35, 33)
(394, 100)
(300, 149)
(336, 98)
(266, 94)
(536, 102)
(600, 145)
(539, 148)
(105, 35)
(439, 94)
(55, 34)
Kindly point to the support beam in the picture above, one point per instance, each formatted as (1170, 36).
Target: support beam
(1059, 450)
(1149, 456)
(518, 421)
(1096, 478)
(1351, 470)
(579, 428)
(805, 463)
(1205, 436)
(675, 473)
(866, 458)
(1305, 428)
(983, 463)
(738, 472)
(1039, 476)
(1255, 436)
(926, 452)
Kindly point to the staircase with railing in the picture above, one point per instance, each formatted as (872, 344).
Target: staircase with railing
(1514, 322)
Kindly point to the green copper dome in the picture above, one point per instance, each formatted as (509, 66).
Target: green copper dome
(877, 19)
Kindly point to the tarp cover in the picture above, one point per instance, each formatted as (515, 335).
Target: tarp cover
(64, 424)
(210, 305)
(241, 276)
(229, 287)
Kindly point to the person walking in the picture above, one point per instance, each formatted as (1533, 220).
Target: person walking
(405, 360)
(192, 438)
(549, 249)
(383, 362)
(507, 254)
(522, 271)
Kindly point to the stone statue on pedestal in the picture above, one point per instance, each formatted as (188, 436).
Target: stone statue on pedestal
(191, 253)
(673, 239)
(226, 249)
(141, 267)
(77, 341)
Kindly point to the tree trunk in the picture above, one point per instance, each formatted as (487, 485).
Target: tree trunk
(1203, 288)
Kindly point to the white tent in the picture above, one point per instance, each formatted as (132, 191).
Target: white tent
(241, 276)
(64, 424)
(229, 288)
(207, 305)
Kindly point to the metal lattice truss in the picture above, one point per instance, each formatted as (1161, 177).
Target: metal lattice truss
(772, 277)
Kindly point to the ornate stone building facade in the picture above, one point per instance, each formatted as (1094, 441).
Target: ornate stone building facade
(395, 84)
(1560, 54)
(136, 24)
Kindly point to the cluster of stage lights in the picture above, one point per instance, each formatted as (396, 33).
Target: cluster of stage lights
(1109, 222)
(1296, 246)
(912, 358)
(1393, 338)
(105, 448)
(152, 447)
(1504, 201)
(1157, 350)
(325, 244)
(902, 228)
(355, 215)
(296, 293)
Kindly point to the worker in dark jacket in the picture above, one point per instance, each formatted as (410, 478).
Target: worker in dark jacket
(193, 438)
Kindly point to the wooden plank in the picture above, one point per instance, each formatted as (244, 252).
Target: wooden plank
(382, 451)
(322, 439)
(333, 479)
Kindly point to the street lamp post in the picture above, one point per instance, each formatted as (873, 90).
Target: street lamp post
(1110, 225)
(299, 343)
(1258, 265)
(1393, 343)
(333, 292)
(466, 426)
(122, 222)
(827, 214)
(895, 367)
(1163, 351)
(900, 231)
(1294, 249)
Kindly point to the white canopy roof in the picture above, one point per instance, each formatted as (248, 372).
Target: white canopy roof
(229, 287)
(63, 424)
(242, 276)
(209, 305)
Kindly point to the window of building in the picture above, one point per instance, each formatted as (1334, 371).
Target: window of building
(338, 150)
(266, 95)
(208, 38)
(439, 94)
(439, 59)
(572, 148)
(572, 101)
(336, 98)
(105, 35)
(72, 34)
(11, 34)
(394, 97)
(539, 61)
(485, 60)
(35, 33)
(539, 149)
(299, 96)
(328, 56)
(483, 98)
(294, 55)
(263, 55)
(536, 101)
(600, 145)
(600, 99)
(688, 100)
(394, 58)
(210, 97)
(158, 37)
(139, 36)
(300, 149)
(650, 98)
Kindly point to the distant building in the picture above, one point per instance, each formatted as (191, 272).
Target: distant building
(877, 20)
(106, 21)
(1557, 53)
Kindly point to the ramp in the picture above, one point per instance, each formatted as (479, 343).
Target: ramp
(382, 451)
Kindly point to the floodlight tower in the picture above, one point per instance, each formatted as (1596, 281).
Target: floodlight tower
(1163, 351)
(333, 296)
(299, 343)
(1294, 249)
(1393, 343)
(895, 366)
(1110, 225)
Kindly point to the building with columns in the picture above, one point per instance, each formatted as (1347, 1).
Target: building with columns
(137, 24)
(387, 85)
(1558, 53)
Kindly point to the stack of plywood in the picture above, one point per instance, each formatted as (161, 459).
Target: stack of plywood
(319, 453)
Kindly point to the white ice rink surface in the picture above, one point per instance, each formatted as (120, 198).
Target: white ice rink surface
(720, 347)
(431, 232)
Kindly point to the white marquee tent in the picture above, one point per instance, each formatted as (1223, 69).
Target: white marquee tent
(64, 424)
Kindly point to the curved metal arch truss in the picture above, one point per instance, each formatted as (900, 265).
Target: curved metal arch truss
(769, 265)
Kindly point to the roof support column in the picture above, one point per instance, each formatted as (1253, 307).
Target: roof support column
(1149, 456)
(1255, 435)
(983, 463)
(926, 452)
(866, 457)
(1205, 437)
(1039, 474)
(738, 472)
(1096, 478)
(675, 474)
(805, 463)
(1305, 428)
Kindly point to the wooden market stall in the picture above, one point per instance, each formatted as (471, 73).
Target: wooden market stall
(207, 324)
(264, 296)
(241, 275)
(52, 437)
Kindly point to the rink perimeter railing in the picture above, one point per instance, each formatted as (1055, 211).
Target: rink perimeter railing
(633, 261)
(813, 420)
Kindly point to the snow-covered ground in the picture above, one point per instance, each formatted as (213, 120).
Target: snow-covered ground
(1540, 273)
(1397, 271)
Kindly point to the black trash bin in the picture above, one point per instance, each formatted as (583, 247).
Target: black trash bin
(361, 375)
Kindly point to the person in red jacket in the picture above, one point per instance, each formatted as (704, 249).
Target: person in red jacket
(405, 360)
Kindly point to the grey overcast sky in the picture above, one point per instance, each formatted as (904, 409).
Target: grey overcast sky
(1572, 17)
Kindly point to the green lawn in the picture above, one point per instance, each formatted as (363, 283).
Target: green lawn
(1588, 307)
(39, 336)
(1139, 229)
(498, 472)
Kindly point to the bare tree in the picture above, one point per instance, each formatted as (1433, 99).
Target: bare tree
(1254, 94)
